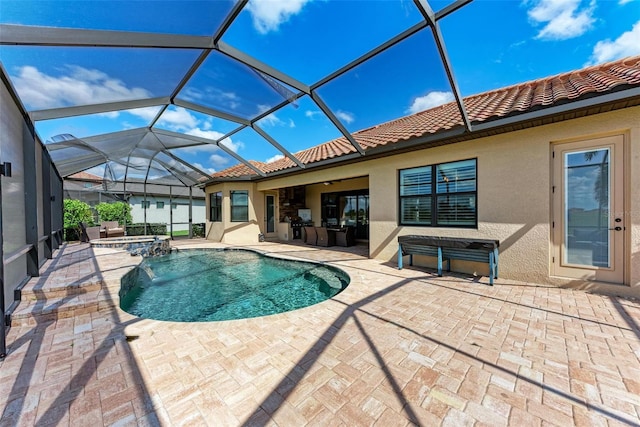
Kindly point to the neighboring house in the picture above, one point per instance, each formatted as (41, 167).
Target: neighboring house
(160, 206)
(550, 168)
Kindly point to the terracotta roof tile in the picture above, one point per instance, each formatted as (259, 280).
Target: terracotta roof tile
(239, 170)
(85, 176)
(497, 103)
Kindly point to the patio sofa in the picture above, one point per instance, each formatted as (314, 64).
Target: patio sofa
(111, 229)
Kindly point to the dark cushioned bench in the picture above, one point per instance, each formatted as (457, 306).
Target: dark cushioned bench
(448, 248)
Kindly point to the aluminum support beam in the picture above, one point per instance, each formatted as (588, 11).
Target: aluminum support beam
(46, 205)
(262, 67)
(179, 160)
(144, 203)
(212, 112)
(429, 15)
(3, 333)
(30, 203)
(82, 110)
(191, 212)
(171, 212)
(228, 20)
(437, 34)
(386, 45)
(450, 8)
(425, 10)
(209, 141)
(187, 165)
(276, 144)
(325, 109)
(28, 35)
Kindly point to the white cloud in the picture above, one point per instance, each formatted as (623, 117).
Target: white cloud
(430, 100)
(312, 114)
(271, 120)
(110, 114)
(628, 44)
(345, 116)
(563, 19)
(621, 2)
(78, 86)
(218, 161)
(204, 169)
(178, 119)
(268, 15)
(274, 158)
(233, 146)
(208, 134)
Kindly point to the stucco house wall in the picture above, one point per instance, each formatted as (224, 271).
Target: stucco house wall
(514, 173)
(162, 215)
(227, 231)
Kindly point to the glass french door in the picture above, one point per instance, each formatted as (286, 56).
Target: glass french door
(270, 211)
(589, 223)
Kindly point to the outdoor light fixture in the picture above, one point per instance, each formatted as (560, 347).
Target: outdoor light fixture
(5, 169)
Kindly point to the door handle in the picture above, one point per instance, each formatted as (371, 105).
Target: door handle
(618, 228)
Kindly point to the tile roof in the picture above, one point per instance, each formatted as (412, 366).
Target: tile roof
(241, 170)
(491, 105)
(85, 176)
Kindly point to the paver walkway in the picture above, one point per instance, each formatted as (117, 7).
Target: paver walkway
(395, 348)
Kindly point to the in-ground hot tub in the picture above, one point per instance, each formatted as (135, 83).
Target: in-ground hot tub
(136, 245)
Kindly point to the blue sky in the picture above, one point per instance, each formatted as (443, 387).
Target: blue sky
(491, 44)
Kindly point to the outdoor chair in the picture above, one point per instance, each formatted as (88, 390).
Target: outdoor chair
(311, 237)
(112, 229)
(325, 237)
(88, 233)
(345, 237)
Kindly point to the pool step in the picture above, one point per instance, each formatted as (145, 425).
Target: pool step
(77, 281)
(80, 302)
(31, 293)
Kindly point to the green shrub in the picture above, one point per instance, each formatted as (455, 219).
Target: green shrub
(197, 229)
(116, 211)
(75, 212)
(152, 229)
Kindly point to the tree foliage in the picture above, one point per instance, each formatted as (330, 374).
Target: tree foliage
(75, 212)
(116, 211)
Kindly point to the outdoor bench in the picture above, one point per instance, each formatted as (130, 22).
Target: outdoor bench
(448, 248)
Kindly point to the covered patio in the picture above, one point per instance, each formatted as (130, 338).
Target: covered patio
(394, 348)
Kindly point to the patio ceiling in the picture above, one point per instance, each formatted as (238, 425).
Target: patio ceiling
(184, 65)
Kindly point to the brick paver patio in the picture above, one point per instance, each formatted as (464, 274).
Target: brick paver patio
(395, 348)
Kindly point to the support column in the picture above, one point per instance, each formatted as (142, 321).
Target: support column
(46, 206)
(30, 204)
(191, 212)
(3, 332)
(171, 212)
(144, 206)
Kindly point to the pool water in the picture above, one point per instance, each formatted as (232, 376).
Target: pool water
(202, 285)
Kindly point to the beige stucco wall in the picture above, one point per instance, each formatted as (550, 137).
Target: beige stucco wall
(234, 232)
(514, 199)
(314, 193)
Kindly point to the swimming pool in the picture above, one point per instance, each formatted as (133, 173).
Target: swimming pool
(202, 285)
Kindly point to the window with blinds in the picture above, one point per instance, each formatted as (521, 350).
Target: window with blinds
(239, 206)
(439, 195)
